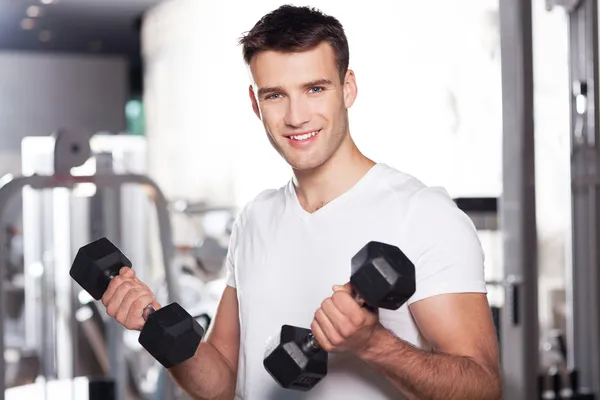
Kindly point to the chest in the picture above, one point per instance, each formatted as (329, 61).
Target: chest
(284, 272)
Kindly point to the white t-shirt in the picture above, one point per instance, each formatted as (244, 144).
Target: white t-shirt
(283, 261)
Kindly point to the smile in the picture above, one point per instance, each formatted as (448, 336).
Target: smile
(305, 136)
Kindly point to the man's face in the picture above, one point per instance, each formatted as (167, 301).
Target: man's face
(302, 103)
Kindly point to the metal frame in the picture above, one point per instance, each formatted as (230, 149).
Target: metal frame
(583, 324)
(519, 327)
(12, 186)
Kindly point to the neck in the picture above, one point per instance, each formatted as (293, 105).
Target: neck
(320, 185)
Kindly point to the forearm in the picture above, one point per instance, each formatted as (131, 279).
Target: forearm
(206, 376)
(427, 375)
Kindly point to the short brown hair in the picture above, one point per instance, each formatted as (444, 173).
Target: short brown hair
(294, 29)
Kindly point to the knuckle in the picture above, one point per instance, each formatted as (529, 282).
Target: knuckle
(360, 320)
(337, 297)
(117, 280)
(132, 293)
(346, 331)
(137, 304)
(110, 310)
(128, 285)
(337, 340)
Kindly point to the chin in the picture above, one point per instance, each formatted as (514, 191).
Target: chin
(305, 165)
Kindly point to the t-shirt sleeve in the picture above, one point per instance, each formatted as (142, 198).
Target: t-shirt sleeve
(232, 250)
(445, 247)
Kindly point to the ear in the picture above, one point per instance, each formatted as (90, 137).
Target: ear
(350, 89)
(254, 102)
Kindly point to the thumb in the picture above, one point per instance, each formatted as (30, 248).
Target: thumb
(342, 288)
(127, 272)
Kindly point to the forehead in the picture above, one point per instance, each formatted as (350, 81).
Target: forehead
(275, 68)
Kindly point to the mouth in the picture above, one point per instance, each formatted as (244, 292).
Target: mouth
(304, 136)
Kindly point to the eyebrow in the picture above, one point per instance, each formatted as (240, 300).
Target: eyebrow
(274, 89)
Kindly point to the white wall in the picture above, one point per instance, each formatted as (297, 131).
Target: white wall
(429, 95)
(40, 93)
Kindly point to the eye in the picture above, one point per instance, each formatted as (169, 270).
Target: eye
(316, 89)
(272, 96)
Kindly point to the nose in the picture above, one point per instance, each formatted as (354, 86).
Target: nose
(298, 112)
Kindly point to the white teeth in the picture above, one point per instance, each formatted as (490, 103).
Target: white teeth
(305, 136)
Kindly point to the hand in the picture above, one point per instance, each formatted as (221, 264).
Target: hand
(342, 325)
(126, 297)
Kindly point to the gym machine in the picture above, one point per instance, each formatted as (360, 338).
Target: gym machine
(55, 168)
(560, 380)
(583, 276)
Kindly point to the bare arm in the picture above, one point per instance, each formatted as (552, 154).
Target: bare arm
(211, 373)
(463, 363)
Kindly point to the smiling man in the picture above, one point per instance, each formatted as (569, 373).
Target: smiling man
(290, 250)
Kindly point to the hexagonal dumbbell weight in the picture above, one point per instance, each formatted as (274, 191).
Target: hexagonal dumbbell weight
(382, 277)
(171, 335)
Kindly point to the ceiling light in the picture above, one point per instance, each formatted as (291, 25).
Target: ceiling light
(45, 36)
(47, 1)
(34, 11)
(28, 24)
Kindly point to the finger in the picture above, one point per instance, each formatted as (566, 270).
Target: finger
(154, 303)
(346, 304)
(317, 331)
(117, 298)
(113, 286)
(127, 272)
(328, 328)
(144, 285)
(126, 304)
(340, 322)
(343, 288)
(135, 316)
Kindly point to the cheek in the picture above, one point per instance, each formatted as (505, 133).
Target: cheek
(272, 115)
(328, 107)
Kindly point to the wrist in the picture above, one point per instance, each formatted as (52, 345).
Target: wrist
(380, 340)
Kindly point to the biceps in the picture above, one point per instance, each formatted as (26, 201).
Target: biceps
(459, 324)
(224, 332)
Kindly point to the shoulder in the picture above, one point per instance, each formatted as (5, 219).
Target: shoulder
(432, 207)
(435, 226)
(409, 190)
(429, 210)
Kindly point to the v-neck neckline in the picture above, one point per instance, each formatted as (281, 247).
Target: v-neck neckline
(334, 203)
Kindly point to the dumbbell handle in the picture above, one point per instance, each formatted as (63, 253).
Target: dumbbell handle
(311, 344)
(149, 309)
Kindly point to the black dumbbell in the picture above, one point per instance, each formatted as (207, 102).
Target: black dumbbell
(382, 277)
(171, 335)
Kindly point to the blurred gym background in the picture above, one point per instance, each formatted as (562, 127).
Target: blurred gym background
(137, 110)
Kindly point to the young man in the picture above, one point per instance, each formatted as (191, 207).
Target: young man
(290, 251)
